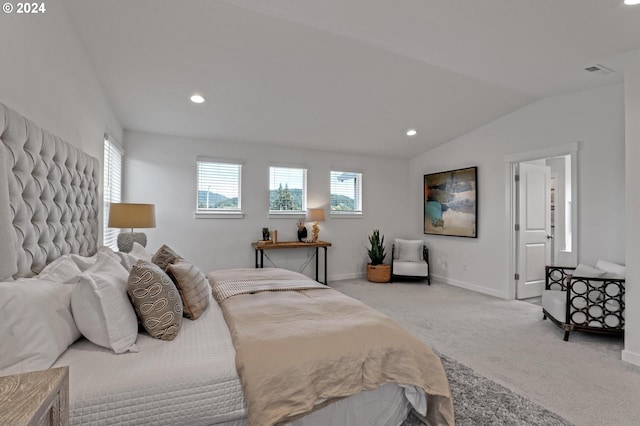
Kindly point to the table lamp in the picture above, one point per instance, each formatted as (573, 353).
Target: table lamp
(315, 216)
(128, 215)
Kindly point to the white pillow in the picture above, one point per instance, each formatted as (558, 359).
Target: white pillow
(614, 270)
(140, 252)
(409, 250)
(85, 262)
(137, 253)
(101, 307)
(61, 270)
(36, 324)
(586, 271)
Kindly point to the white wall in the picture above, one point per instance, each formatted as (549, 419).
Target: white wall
(162, 170)
(47, 77)
(595, 118)
(631, 351)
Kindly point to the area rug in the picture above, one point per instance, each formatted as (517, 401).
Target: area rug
(478, 401)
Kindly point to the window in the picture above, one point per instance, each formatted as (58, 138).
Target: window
(346, 193)
(112, 188)
(287, 190)
(219, 188)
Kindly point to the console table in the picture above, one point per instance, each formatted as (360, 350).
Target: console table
(260, 248)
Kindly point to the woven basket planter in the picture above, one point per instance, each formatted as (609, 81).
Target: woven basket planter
(379, 273)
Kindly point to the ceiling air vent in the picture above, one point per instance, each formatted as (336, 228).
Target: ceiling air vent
(599, 69)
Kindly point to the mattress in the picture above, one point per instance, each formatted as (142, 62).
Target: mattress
(190, 380)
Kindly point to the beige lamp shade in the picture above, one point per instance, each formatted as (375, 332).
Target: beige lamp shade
(128, 215)
(315, 215)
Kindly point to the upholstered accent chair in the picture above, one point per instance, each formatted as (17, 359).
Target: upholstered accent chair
(409, 260)
(584, 298)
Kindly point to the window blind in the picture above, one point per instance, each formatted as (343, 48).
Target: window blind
(346, 192)
(112, 188)
(219, 187)
(287, 190)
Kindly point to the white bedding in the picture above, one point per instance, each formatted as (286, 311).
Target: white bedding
(190, 380)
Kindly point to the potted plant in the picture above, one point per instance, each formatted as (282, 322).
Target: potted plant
(377, 271)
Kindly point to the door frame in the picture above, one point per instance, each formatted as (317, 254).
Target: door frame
(511, 210)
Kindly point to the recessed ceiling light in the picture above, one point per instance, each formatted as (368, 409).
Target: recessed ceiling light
(412, 132)
(631, 2)
(197, 99)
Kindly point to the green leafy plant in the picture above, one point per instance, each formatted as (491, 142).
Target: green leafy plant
(376, 252)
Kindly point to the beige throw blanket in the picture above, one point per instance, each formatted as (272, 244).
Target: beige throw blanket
(296, 347)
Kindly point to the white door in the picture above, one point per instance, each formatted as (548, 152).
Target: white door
(534, 236)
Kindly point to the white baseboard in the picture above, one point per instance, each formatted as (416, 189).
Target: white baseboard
(472, 287)
(631, 357)
(352, 276)
(450, 281)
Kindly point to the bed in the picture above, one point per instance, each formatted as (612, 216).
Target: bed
(49, 224)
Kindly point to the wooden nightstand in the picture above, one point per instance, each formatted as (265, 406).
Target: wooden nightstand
(35, 398)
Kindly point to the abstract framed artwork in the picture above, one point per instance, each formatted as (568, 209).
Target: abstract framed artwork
(451, 203)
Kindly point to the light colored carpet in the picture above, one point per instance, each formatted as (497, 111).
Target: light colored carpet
(582, 380)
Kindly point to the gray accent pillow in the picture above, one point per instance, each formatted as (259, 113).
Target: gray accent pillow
(164, 257)
(192, 285)
(155, 299)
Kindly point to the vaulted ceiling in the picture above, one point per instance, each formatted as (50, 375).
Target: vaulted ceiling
(345, 75)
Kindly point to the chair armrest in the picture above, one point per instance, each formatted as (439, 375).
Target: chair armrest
(556, 277)
(596, 301)
(393, 255)
(425, 254)
(610, 287)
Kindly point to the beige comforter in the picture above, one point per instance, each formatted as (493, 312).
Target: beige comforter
(296, 347)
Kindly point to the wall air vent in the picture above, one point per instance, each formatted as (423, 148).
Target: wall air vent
(599, 69)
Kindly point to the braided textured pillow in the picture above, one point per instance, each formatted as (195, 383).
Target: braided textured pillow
(164, 257)
(192, 285)
(155, 299)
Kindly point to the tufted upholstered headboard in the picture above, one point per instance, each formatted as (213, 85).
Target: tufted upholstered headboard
(49, 201)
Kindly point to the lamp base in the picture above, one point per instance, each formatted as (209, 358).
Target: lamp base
(126, 240)
(314, 231)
